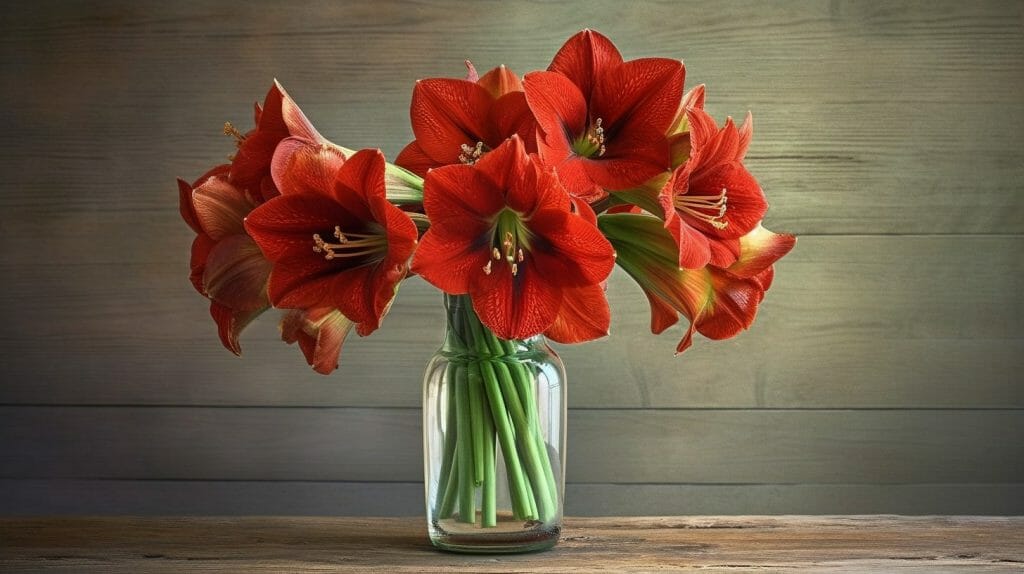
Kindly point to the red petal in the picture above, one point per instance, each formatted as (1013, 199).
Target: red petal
(188, 212)
(221, 207)
(362, 176)
(557, 104)
(414, 159)
(746, 133)
(588, 258)
(644, 91)
(694, 247)
(585, 58)
(500, 81)
(320, 332)
(702, 127)
(448, 113)
(573, 174)
(302, 284)
(584, 316)
(231, 323)
(724, 252)
(694, 98)
(505, 166)
(759, 250)
(632, 158)
(510, 115)
(734, 307)
(286, 224)
(201, 247)
(515, 307)
(291, 115)
(303, 166)
(663, 315)
(460, 192)
(236, 274)
(448, 260)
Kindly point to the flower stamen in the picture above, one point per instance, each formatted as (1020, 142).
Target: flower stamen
(716, 204)
(591, 143)
(350, 244)
(470, 154)
(230, 130)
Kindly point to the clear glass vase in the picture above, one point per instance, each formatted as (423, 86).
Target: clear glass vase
(493, 439)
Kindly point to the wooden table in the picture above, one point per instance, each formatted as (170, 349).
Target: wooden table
(708, 544)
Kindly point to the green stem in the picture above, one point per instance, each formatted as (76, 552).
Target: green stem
(528, 445)
(476, 411)
(489, 502)
(506, 437)
(448, 499)
(467, 509)
(451, 374)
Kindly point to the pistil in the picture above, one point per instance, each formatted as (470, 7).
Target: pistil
(699, 206)
(350, 244)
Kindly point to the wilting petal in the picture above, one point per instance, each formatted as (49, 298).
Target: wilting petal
(220, 207)
(236, 274)
(201, 247)
(185, 207)
(320, 332)
(231, 323)
(584, 316)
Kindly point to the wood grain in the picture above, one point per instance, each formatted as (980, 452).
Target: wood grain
(871, 118)
(911, 322)
(709, 544)
(55, 496)
(606, 446)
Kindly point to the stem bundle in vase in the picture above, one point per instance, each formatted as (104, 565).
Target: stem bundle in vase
(491, 413)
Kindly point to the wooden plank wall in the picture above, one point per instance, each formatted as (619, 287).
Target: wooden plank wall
(883, 374)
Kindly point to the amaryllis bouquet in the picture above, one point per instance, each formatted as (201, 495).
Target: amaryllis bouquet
(516, 199)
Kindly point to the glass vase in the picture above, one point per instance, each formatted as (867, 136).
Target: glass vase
(493, 439)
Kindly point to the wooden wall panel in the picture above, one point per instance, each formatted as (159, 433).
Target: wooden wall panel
(883, 374)
(605, 446)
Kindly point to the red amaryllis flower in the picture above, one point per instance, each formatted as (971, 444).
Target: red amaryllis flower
(332, 236)
(320, 333)
(503, 231)
(712, 195)
(227, 266)
(457, 121)
(277, 119)
(718, 302)
(603, 121)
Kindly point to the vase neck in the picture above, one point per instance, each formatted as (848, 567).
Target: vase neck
(466, 334)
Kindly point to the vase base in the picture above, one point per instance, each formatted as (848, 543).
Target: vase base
(506, 538)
